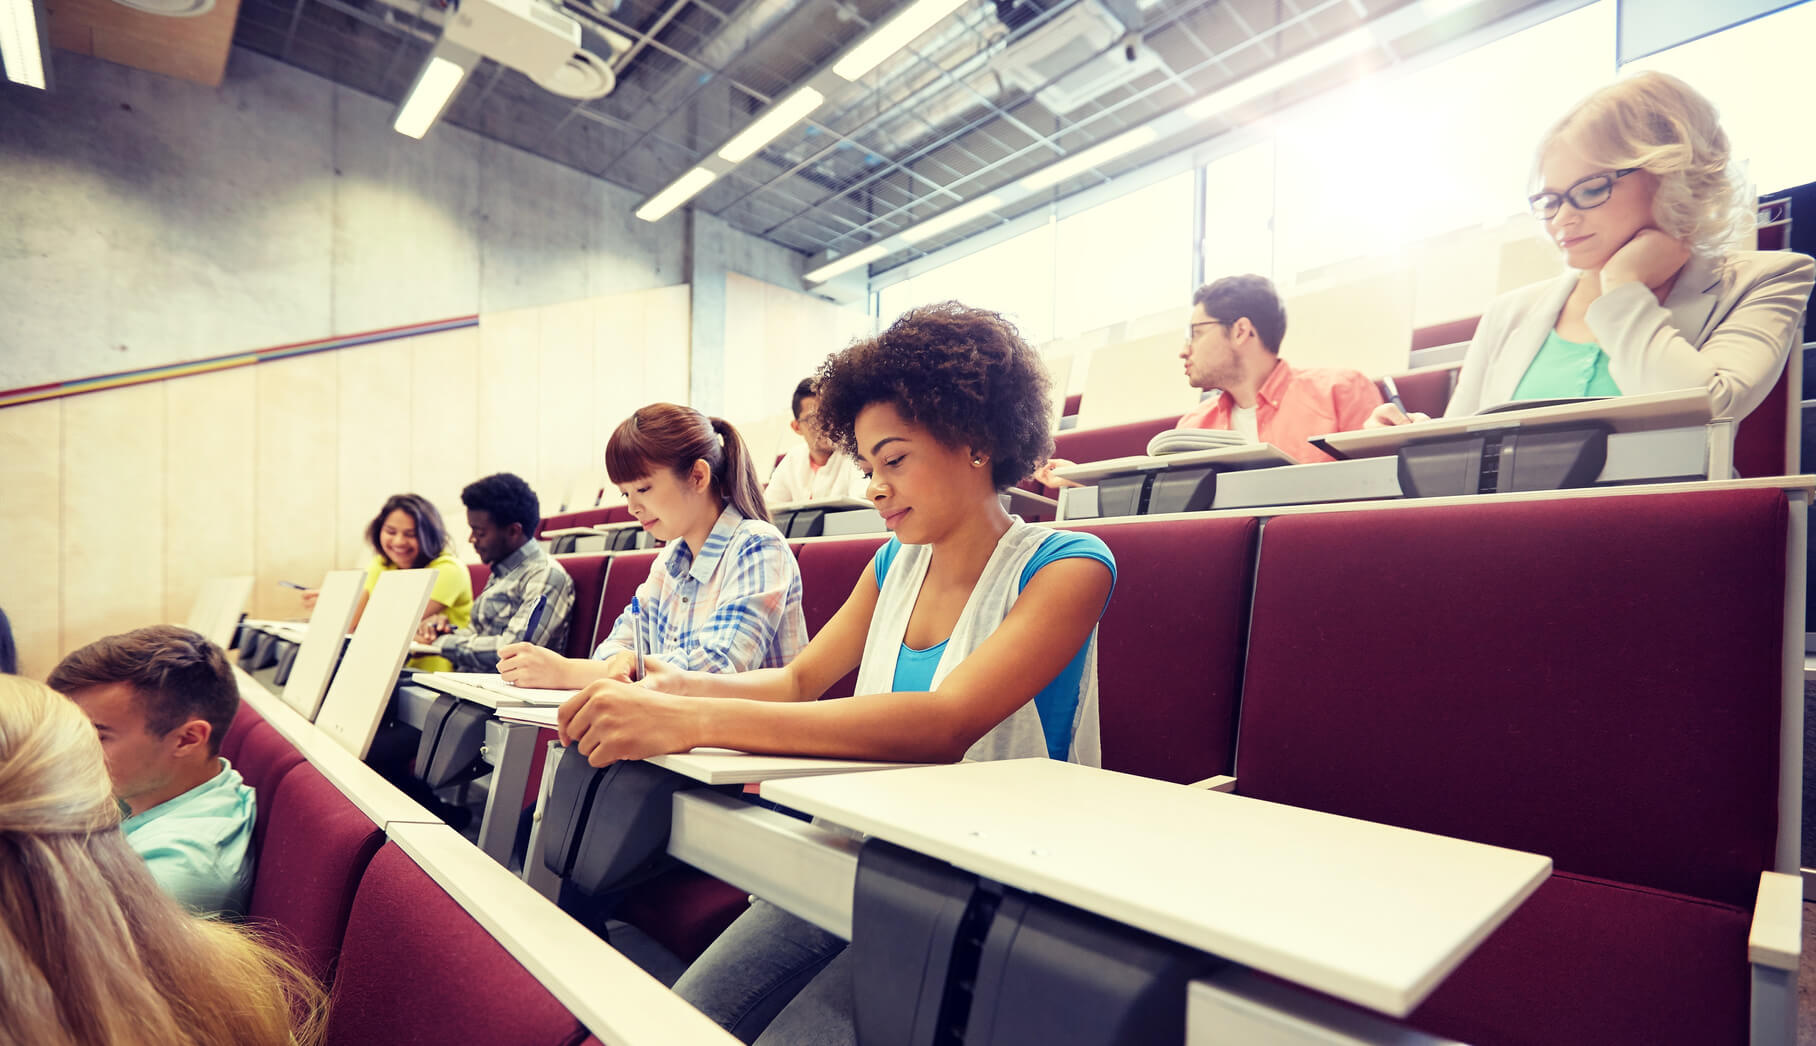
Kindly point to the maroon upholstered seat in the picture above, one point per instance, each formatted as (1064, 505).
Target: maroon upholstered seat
(1546, 676)
(587, 569)
(235, 736)
(1584, 957)
(684, 910)
(479, 573)
(1071, 407)
(829, 571)
(416, 968)
(585, 518)
(1448, 333)
(1760, 440)
(265, 757)
(1110, 441)
(626, 571)
(1425, 390)
(1170, 645)
(316, 846)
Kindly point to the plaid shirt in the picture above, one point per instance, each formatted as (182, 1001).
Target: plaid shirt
(734, 607)
(501, 613)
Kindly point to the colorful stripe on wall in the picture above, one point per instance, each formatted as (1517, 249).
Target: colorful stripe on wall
(55, 390)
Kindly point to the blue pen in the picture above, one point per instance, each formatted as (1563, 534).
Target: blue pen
(1393, 394)
(529, 633)
(636, 640)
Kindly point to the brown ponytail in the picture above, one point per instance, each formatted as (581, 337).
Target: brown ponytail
(666, 435)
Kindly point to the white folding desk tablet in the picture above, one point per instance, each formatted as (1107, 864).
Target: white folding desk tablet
(378, 798)
(361, 691)
(826, 516)
(1142, 484)
(1371, 914)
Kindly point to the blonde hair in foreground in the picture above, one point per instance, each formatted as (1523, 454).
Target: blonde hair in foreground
(92, 950)
(1661, 124)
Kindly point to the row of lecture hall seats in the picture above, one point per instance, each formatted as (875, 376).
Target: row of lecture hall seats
(404, 961)
(1570, 703)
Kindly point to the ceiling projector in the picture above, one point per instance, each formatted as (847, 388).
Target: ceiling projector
(536, 39)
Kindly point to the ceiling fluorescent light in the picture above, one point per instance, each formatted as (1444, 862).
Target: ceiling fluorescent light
(953, 218)
(1078, 163)
(21, 49)
(434, 88)
(678, 192)
(768, 127)
(846, 263)
(892, 36)
(1282, 73)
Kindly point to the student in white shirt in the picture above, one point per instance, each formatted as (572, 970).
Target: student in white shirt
(817, 469)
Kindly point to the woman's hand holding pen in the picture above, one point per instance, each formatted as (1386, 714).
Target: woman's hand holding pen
(610, 720)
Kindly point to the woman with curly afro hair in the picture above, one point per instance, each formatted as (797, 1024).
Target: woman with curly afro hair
(974, 634)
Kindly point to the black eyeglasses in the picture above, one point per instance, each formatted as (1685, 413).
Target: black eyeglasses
(1191, 332)
(1585, 194)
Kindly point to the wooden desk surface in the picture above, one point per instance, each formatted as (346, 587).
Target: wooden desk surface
(722, 766)
(1368, 913)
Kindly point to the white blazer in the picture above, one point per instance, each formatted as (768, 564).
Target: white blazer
(1727, 331)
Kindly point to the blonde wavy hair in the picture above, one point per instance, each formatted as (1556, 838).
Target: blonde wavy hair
(1661, 124)
(92, 950)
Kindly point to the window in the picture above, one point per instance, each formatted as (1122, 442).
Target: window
(1131, 256)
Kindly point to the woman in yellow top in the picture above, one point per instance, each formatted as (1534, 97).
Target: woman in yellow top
(408, 534)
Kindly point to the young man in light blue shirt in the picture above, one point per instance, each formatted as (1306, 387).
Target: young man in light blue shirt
(161, 699)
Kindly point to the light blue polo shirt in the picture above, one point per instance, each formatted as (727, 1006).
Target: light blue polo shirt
(198, 846)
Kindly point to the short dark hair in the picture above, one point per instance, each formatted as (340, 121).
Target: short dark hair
(431, 533)
(803, 390)
(1248, 297)
(176, 674)
(965, 375)
(506, 498)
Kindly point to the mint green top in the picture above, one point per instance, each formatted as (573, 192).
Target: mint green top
(1566, 368)
(198, 846)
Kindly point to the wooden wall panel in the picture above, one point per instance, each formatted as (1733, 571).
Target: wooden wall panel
(444, 441)
(377, 391)
(620, 332)
(668, 322)
(565, 462)
(1363, 323)
(31, 529)
(208, 483)
(510, 380)
(298, 485)
(113, 513)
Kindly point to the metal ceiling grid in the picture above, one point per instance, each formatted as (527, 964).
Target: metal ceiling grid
(933, 126)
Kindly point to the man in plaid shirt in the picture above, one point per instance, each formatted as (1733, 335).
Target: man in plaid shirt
(503, 513)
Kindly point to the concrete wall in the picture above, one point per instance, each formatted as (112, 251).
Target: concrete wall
(148, 220)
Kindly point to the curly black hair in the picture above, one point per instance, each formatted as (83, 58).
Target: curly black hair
(506, 498)
(963, 374)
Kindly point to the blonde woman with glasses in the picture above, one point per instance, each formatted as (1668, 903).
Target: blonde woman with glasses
(1636, 189)
(92, 951)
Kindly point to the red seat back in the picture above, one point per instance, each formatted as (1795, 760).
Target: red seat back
(585, 518)
(480, 573)
(626, 571)
(1447, 333)
(1594, 679)
(1111, 441)
(829, 571)
(243, 721)
(1761, 440)
(316, 846)
(266, 756)
(415, 967)
(1170, 645)
(587, 569)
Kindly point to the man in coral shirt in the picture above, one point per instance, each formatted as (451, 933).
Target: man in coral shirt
(1233, 348)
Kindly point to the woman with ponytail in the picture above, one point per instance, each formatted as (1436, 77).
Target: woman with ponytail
(92, 950)
(725, 595)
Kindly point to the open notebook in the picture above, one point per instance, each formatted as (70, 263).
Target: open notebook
(1186, 441)
(507, 693)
